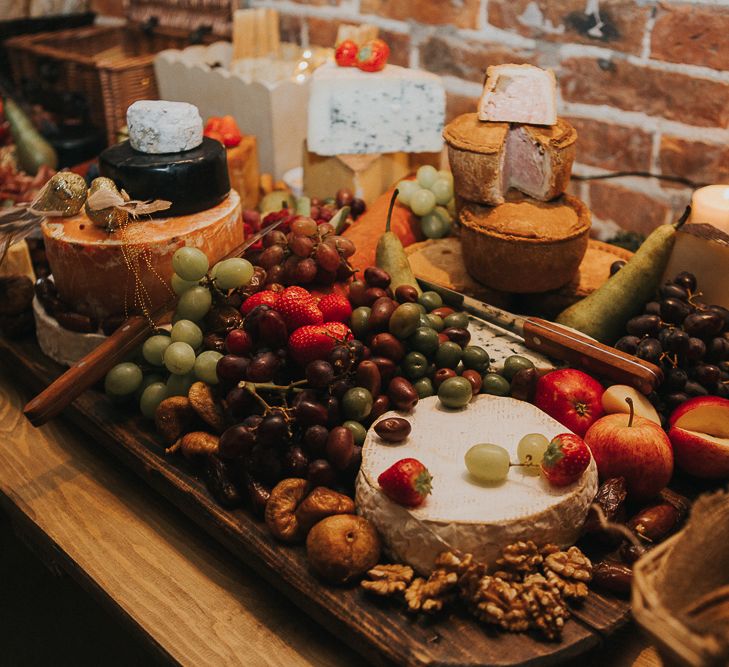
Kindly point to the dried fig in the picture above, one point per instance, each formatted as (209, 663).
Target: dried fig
(342, 547)
(197, 443)
(281, 507)
(320, 504)
(202, 402)
(173, 417)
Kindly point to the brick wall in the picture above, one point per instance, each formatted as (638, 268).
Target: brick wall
(646, 83)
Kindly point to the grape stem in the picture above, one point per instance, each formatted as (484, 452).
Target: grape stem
(253, 387)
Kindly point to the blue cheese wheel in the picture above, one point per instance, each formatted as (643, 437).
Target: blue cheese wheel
(193, 180)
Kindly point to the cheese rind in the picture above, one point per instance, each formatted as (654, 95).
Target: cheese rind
(164, 127)
(90, 267)
(396, 109)
(519, 94)
(63, 346)
(461, 514)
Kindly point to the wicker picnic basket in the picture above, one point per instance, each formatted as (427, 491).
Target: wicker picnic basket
(111, 67)
(681, 588)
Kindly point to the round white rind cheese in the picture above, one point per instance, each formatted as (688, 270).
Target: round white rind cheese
(461, 514)
(63, 346)
(157, 126)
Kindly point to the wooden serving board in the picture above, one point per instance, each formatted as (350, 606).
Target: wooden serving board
(381, 631)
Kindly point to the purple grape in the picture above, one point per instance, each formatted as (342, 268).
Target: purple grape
(649, 349)
(686, 280)
(644, 325)
(628, 344)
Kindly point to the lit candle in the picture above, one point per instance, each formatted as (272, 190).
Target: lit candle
(711, 205)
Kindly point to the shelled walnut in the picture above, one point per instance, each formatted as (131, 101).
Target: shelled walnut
(429, 595)
(569, 571)
(545, 606)
(518, 559)
(388, 580)
(498, 602)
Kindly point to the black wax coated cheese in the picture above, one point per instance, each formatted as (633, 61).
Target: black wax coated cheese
(193, 180)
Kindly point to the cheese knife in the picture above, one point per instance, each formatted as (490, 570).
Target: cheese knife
(559, 342)
(94, 366)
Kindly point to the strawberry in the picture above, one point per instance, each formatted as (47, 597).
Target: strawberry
(316, 341)
(266, 297)
(407, 482)
(298, 308)
(335, 308)
(372, 56)
(565, 459)
(346, 53)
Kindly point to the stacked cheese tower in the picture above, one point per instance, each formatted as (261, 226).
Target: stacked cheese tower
(103, 272)
(511, 163)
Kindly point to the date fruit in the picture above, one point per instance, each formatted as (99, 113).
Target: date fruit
(393, 429)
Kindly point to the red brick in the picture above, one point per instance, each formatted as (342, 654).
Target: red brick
(461, 13)
(632, 210)
(459, 104)
(623, 21)
(323, 32)
(694, 35)
(700, 162)
(467, 59)
(617, 83)
(611, 146)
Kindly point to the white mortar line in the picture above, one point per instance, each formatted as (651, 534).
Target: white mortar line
(645, 122)
(648, 34)
(590, 51)
(483, 14)
(458, 86)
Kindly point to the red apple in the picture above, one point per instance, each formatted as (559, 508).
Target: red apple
(700, 436)
(632, 447)
(571, 397)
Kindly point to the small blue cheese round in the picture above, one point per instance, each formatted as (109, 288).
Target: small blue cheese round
(157, 126)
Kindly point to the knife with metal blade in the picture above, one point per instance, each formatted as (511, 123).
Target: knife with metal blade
(94, 366)
(559, 342)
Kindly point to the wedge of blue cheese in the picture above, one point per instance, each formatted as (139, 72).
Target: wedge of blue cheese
(355, 112)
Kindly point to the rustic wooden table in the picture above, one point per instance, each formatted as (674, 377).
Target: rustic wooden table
(133, 551)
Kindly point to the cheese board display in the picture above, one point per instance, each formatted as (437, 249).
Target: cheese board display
(433, 477)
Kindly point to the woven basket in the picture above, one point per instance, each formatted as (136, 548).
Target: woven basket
(113, 66)
(681, 588)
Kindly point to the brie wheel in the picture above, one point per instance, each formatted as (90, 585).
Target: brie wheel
(461, 514)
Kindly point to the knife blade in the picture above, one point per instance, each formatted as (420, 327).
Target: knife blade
(559, 342)
(94, 366)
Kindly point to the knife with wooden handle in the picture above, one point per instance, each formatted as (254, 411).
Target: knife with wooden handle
(94, 366)
(559, 342)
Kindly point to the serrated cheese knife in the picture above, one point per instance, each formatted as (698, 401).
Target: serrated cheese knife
(559, 342)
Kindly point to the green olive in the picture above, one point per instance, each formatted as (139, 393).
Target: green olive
(448, 355)
(357, 403)
(495, 384)
(430, 300)
(476, 358)
(456, 320)
(436, 321)
(424, 387)
(455, 392)
(358, 431)
(415, 365)
(424, 321)
(360, 321)
(514, 364)
(405, 320)
(424, 340)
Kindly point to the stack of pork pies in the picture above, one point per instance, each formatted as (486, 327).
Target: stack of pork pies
(511, 163)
